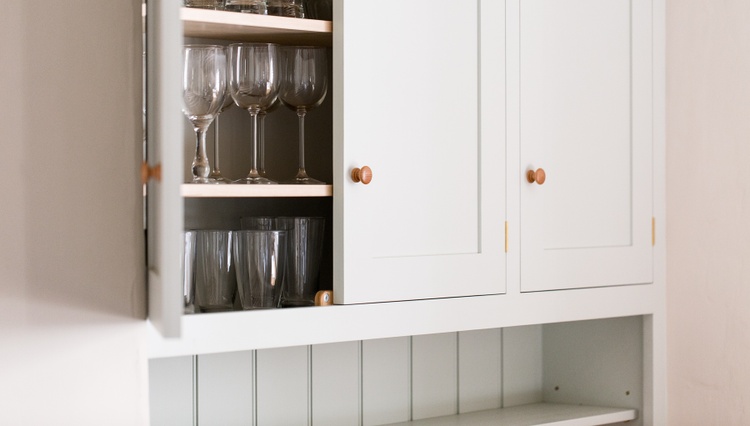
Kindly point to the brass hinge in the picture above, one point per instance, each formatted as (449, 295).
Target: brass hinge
(653, 231)
(506, 236)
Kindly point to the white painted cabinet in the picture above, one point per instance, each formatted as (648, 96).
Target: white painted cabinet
(419, 98)
(583, 113)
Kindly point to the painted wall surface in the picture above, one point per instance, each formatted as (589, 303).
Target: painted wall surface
(708, 203)
(72, 292)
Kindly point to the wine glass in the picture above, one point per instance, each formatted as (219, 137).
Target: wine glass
(215, 171)
(254, 84)
(304, 84)
(262, 137)
(203, 92)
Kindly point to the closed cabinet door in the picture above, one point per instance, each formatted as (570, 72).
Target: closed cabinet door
(418, 99)
(583, 121)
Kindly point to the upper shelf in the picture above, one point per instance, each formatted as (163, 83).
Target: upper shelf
(251, 27)
(249, 191)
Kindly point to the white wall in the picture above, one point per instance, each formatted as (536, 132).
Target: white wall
(72, 294)
(708, 202)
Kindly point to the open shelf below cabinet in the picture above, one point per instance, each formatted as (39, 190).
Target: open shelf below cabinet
(254, 191)
(545, 414)
(237, 26)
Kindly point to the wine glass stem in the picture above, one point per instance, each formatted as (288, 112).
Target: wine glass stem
(254, 170)
(301, 114)
(262, 144)
(216, 144)
(201, 169)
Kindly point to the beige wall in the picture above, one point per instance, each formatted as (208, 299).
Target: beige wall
(72, 347)
(708, 202)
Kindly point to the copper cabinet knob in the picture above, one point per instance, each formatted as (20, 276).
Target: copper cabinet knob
(148, 173)
(363, 175)
(537, 176)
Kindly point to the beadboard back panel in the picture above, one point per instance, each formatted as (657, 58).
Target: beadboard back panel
(394, 380)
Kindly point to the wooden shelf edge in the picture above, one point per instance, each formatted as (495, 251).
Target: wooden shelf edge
(250, 27)
(188, 190)
(540, 414)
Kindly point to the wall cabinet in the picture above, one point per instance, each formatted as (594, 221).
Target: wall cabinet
(450, 107)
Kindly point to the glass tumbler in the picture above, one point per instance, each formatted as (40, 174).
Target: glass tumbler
(204, 4)
(288, 8)
(305, 251)
(260, 261)
(215, 280)
(188, 274)
(247, 6)
(257, 223)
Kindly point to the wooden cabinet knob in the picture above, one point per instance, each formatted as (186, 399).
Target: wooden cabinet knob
(537, 176)
(150, 172)
(363, 175)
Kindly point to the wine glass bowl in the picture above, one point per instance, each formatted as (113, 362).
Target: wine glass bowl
(303, 86)
(203, 90)
(254, 84)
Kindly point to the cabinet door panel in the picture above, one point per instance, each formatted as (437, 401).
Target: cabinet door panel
(164, 203)
(585, 119)
(421, 104)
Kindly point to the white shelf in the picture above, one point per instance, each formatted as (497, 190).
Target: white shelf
(254, 191)
(237, 26)
(542, 414)
(274, 328)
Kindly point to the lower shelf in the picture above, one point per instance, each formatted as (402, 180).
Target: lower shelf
(542, 414)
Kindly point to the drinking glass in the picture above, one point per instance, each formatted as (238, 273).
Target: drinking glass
(215, 171)
(260, 257)
(188, 276)
(204, 4)
(254, 86)
(262, 137)
(305, 250)
(257, 223)
(215, 279)
(288, 8)
(304, 84)
(247, 6)
(203, 90)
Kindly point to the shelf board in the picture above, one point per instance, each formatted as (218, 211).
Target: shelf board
(237, 26)
(189, 190)
(541, 414)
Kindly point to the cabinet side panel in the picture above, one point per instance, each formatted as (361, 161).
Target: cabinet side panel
(171, 391)
(225, 389)
(282, 377)
(386, 384)
(336, 384)
(598, 362)
(522, 365)
(479, 370)
(434, 361)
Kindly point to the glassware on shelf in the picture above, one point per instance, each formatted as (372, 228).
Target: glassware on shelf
(288, 8)
(304, 84)
(260, 258)
(203, 92)
(204, 4)
(215, 279)
(305, 250)
(258, 7)
(254, 84)
(262, 138)
(188, 272)
(216, 171)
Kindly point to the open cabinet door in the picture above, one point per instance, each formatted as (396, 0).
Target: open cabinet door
(165, 218)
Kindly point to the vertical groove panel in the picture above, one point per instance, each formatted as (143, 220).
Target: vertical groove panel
(171, 391)
(434, 375)
(386, 381)
(225, 389)
(336, 384)
(282, 380)
(522, 365)
(480, 370)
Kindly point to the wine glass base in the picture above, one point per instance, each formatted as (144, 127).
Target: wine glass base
(202, 180)
(255, 180)
(306, 180)
(219, 178)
